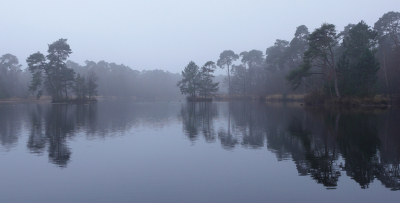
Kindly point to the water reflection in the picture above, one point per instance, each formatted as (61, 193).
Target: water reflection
(11, 121)
(51, 128)
(317, 155)
(324, 144)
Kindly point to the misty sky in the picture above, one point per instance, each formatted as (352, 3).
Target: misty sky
(167, 35)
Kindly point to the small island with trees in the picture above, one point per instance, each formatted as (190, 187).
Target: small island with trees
(197, 83)
(51, 73)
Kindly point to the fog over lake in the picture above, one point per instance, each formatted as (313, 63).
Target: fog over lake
(199, 101)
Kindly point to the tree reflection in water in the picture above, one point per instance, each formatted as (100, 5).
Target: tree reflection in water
(58, 125)
(11, 120)
(197, 118)
(52, 125)
(323, 144)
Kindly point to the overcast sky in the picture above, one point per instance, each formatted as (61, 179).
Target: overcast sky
(161, 34)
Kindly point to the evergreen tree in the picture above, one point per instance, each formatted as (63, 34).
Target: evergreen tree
(50, 73)
(388, 27)
(191, 80)
(366, 68)
(320, 53)
(358, 66)
(207, 87)
(226, 59)
(345, 75)
(252, 59)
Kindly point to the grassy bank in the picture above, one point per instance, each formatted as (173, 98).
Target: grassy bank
(232, 98)
(314, 99)
(268, 98)
(285, 98)
(376, 101)
(74, 101)
(43, 99)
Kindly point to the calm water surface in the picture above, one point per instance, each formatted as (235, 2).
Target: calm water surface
(124, 151)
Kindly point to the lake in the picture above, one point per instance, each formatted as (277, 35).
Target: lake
(126, 151)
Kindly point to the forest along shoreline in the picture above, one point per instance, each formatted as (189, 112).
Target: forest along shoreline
(357, 66)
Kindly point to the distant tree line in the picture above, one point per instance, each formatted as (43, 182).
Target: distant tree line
(122, 81)
(359, 61)
(13, 81)
(56, 76)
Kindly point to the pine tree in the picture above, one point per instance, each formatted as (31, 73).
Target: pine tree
(207, 87)
(191, 80)
(358, 66)
(50, 73)
(366, 69)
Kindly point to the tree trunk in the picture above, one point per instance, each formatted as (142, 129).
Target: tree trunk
(66, 90)
(384, 69)
(336, 87)
(229, 83)
(334, 72)
(245, 81)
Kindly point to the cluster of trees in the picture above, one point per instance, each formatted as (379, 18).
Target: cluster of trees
(60, 78)
(51, 73)
(358, 61)
(196, 81)
(354, 73)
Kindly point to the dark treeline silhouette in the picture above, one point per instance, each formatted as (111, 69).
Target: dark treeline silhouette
(360, 61)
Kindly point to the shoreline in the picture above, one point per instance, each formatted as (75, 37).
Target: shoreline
(44, 100)
(304, 100)
(25, 101)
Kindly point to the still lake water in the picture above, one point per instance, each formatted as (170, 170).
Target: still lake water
(124, 151)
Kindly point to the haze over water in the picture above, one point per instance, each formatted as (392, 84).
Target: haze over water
(124, 151)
